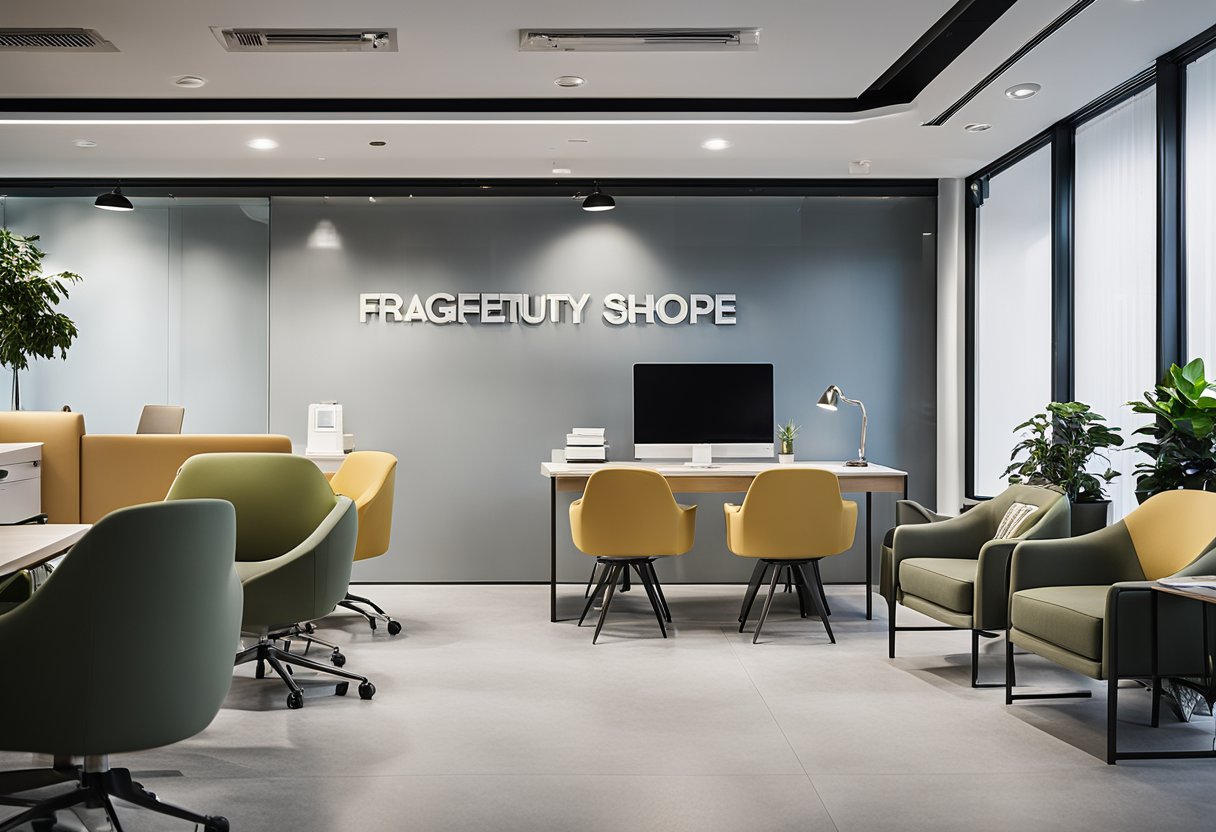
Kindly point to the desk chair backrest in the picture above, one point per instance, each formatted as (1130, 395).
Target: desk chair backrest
(368, 477)
(161, 418)
(280, 499)
(1171, 529)
(99, 668)
(794, 513)
(629, 512)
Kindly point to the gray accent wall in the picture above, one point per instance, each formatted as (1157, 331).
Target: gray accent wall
(830, 290)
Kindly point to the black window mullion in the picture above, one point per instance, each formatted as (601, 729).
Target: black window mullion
(1171, 253)
(1063, 190)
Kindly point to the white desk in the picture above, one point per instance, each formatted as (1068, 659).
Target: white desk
(20, 480)
(724, 478)
(23, 547)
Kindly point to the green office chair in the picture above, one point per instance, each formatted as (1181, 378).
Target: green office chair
(103, 674)
(956, 570)
(295, 542)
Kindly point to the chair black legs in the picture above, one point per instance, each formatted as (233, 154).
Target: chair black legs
(975, 663)
(356, 603)
(266, 652)
(96, 788)
(617, 569)
(809, 589)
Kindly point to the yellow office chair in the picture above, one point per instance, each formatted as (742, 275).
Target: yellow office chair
(625, 519)
(367, 477)
(790, 518)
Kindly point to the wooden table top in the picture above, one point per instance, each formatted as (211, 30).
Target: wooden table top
(22, 547)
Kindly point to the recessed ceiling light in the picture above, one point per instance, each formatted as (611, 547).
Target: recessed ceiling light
(85, 143)
(569, 81)
(320, 158)
(716, 144)
(1020, 92)
(190, 82)
(371, 199)
(977, 127)
(377, 144)
(861, 167)
(561, 171)
(262, 144)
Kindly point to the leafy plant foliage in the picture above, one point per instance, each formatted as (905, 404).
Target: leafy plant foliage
(1058, 448)
(1182, 435)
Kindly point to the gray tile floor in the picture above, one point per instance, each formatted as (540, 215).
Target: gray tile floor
(488, 717)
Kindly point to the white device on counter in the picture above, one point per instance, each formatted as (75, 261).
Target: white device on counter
(325, 434)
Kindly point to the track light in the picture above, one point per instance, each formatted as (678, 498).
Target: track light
(113, 201)
(597, 201)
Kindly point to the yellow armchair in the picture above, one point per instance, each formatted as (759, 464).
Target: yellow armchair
(625, 519)
(368, 478)
(789, 519)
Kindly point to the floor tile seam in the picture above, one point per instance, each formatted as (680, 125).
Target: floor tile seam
(734, 652)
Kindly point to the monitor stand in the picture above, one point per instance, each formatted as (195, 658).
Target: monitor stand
(702, 457)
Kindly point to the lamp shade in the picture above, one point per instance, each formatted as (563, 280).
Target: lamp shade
(113, 201)
(598, 201)
(829, 398)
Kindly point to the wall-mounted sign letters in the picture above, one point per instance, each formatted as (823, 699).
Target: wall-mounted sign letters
(507, 308)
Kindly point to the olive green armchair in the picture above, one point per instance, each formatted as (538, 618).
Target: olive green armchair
(956, 570)
(102, 674)
(295, 543)
(1084, 603)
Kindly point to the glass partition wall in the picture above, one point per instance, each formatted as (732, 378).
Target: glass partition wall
(1115, 274)
(172, 309)
(1201, 209)
(1012, 312)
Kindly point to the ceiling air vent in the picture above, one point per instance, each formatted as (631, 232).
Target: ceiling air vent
(53, 40)
(306, 40)
(638, 40)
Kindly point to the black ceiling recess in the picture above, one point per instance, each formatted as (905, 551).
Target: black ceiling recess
(1043, 34)
(939, 47)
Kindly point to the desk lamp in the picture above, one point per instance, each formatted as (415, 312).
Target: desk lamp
(828, 401)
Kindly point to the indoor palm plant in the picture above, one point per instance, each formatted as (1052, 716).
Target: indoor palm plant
(786, 434)
(1058, 447)
(1182, 436)
(29, 324)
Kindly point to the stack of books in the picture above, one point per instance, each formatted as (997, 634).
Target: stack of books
(586, 445)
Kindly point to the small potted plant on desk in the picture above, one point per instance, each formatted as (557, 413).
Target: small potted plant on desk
(1182, 435)
(786, 435)
(1059, 446)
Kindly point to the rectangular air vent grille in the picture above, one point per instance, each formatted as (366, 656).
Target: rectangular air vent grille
(54, 40)
(638, 40)
(306, 40)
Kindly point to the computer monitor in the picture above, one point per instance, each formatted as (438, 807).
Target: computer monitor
(679, 407)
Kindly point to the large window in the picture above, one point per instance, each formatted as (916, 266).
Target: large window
(1201, 209)
(1115, 271)
(1012, 312)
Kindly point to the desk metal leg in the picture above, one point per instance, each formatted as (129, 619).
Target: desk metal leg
(869, 555)
(552, 549)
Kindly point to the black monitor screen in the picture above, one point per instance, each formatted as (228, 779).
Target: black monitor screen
(702, 403)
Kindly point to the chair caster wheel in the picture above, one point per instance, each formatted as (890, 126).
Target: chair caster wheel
(216, 824)
(295, 700)
(337, 658)
(310, 628)
(394, 627)
(367, 690)
(341, 688)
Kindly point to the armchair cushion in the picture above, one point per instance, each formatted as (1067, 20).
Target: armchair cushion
(1067, 616)
(947, 582)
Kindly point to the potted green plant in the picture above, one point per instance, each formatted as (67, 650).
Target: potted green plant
(1058, 447)
(786, 434)
(1181, 443)
(29, 324)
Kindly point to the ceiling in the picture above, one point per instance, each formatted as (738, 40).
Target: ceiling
(462, 49)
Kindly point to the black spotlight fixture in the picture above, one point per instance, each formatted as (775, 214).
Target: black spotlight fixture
(113, 201)
(597, 201)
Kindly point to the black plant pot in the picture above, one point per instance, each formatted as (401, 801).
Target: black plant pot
(1090, 517)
